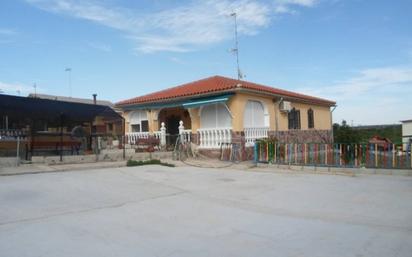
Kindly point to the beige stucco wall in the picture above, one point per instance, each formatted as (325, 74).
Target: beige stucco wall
(237, 104)
(322, 117)
(195, 117)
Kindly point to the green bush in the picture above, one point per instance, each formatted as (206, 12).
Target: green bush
(131, 163)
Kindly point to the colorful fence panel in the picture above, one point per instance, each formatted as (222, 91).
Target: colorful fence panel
(389, 156)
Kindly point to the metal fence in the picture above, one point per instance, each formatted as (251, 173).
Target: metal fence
(389, 156)
(18, 144)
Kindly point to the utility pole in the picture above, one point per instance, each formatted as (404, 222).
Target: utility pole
(236, 49)
(35, 90)
(69, 70)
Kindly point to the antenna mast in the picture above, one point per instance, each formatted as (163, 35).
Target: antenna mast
(236, 49)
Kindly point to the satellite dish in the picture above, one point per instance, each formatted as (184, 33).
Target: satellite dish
(78, 131)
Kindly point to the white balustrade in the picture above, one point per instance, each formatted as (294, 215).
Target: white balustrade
(157, 134)
(214, 137)
(132, 137)
(251, 134)
(185, 134)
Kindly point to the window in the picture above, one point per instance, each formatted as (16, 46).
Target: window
(294, 119)
(138, 121)
(135, 127)
(215, 116)
(254, 115)
(311, 120)
(110, 126)
(145, 126)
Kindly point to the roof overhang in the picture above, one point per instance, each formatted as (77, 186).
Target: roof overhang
(188, 102)
(287, 98)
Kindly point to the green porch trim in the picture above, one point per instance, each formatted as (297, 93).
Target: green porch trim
(189, 103)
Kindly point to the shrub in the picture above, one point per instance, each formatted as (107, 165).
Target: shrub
(131, 163)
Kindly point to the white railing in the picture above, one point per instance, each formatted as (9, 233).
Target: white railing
(214, 137)
(157, 134)
(133, 137)
(185, 134)
(251, 134)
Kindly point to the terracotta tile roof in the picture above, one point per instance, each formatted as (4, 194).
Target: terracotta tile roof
(217, 84)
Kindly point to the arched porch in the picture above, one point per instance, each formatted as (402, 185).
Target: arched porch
(171, 117)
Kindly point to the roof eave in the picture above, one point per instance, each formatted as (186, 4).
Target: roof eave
(123, 106)
(295, 99)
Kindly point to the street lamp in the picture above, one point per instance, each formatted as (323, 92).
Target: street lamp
(69, 70)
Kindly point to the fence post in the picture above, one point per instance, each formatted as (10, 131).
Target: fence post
(18, 151)
(255, 149)
(376, 155)
(410, 154)
(163, 134)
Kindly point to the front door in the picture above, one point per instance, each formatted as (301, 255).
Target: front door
(172, 124)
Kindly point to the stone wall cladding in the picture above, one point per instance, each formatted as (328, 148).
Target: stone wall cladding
(291, 136)
(303, 136)
(211, 153)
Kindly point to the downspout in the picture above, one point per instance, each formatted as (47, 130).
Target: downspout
(331, 122)
(277, 115)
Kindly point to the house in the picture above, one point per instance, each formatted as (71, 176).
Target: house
(382, 142)
(218, 110)
(50, 125)
(407, 134)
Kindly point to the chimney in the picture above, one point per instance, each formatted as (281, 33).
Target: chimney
(94, 98)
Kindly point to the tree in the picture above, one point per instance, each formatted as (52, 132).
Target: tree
(345, 134)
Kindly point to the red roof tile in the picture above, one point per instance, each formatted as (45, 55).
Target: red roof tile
(217, 84)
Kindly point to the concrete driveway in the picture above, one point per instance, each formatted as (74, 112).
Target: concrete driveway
(161, 211)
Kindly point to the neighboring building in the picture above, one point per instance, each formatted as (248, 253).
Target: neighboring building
(406, 133)
(48, 123)
(73, 99)
(217, 110)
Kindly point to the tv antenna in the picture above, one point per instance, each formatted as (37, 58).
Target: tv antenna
(236, 49)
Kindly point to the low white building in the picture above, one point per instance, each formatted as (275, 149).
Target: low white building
(406, 133)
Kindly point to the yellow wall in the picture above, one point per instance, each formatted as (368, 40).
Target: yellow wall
(195, 117)
(321, 114)
(237, 104)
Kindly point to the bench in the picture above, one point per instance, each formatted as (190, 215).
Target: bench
(149, 144)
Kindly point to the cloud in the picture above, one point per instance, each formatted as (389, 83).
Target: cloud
(187, 27)
(287, 6)
(15, 88)
(7, 32)
(365, 82)
(372, 96)
(100, 46)
(7, 35)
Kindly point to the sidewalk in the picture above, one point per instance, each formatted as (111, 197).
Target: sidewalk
(42, 168)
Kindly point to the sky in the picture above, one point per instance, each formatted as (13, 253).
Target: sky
(355, 52)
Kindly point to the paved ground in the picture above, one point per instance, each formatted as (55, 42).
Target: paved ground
(186, 211)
